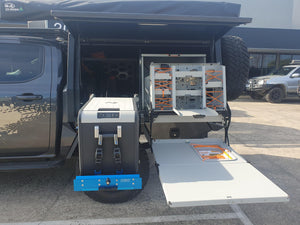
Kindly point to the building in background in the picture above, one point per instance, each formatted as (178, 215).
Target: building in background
(269, 48)
(273, 38)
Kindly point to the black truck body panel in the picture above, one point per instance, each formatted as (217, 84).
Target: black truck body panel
(31, 128)
(29, 131)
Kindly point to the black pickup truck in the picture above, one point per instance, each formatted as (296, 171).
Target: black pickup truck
(75, 59)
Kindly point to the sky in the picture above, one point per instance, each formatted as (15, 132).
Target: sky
(270, 13)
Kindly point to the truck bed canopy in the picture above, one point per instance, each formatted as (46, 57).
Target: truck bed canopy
(132, 19)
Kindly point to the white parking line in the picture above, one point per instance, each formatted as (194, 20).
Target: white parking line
(135, 220)
(242, 216)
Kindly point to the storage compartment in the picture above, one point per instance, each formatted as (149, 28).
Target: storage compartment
(213, 152)
(167, 130)
(113, 70)
(176, 90)
(173, 80)
(108, 72)
(182, 85)
(215, 87)
(188, 101)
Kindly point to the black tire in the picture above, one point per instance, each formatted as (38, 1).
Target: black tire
(256, 96)
(112, 196)
(275, 95)
(236, 59)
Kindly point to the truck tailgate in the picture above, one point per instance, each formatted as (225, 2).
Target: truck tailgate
(190, 178)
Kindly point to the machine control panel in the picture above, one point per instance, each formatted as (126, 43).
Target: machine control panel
(105, 115)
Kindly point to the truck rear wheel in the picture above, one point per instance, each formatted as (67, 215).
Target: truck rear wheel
(236, 59)
(275, 95)
(113, 196)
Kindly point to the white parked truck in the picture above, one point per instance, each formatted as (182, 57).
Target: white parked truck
(277, 85)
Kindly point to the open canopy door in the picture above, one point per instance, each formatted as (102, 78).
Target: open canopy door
(132, 20)
(135, 27)
(208, 172)
(150, 20)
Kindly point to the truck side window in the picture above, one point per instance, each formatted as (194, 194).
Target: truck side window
(20, 62)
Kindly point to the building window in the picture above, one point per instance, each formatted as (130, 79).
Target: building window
(255, 65)
(20, 62)
(285, 60)
(269, 63)
(296, 57)
(261, 64)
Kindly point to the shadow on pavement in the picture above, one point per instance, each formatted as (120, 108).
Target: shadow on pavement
(261, 135)
(239, 113)
(289, 100)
